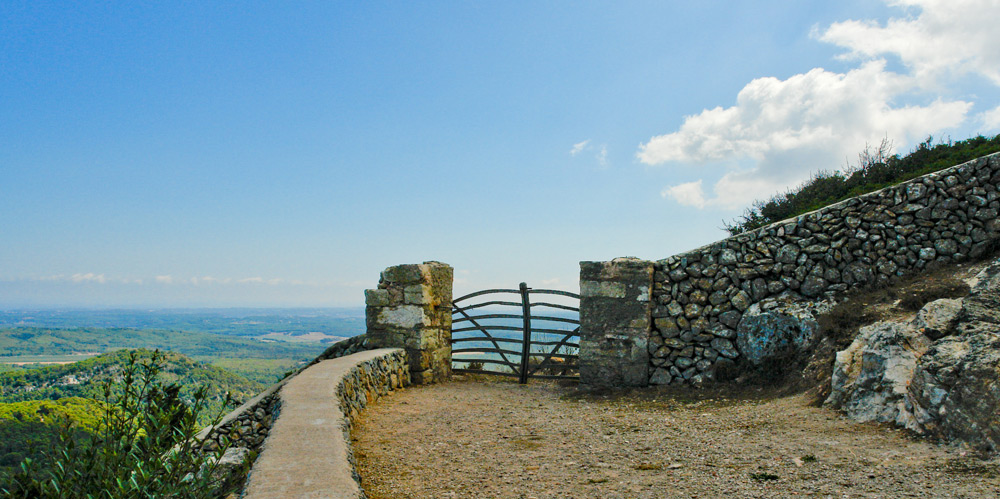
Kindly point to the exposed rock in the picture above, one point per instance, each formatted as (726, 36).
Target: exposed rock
(956, 390)
(775, 326)
(871, 376)
(949, 388)
(938, 318)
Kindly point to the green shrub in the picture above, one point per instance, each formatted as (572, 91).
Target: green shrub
(874, 170)
(144, 446)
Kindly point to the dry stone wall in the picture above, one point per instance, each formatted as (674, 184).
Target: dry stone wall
(365, 383)
(700, 297)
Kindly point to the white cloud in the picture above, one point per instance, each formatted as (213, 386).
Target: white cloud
(579, 147)
(946, 38)
(780, 131)
(991, 119)
(260, 280)
(791, 127)
(550, 282)
(602, 156)
(164, 279)
(89, 277)
(688, 194)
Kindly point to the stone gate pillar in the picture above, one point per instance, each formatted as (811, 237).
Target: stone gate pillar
(411, 309)
(615, 310)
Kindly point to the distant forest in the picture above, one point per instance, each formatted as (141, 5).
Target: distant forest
(36, 403)
(876, 168)
(228, 321)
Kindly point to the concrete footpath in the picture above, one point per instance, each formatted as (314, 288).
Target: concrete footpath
(305, 455)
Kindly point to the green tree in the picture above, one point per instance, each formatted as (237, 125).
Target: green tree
(144, 447)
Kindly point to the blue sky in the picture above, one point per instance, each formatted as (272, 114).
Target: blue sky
(264, 154)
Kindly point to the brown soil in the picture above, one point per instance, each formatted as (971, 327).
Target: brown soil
(477, 437)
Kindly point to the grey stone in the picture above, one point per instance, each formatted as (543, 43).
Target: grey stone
(945, 246)
(915, 191)
(727, 257)
(660, 376)
(723, 332)
(730, 318)
(813, 286)
(776, 327)
(871, 376)
(741, 301)
(938, 318)
(788, 253)
(954, 390)
(692, 310)
(725, 348)
(377, 297)
(675, 309)
(683, 362)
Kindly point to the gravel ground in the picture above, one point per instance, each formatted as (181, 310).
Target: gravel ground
(490, 438)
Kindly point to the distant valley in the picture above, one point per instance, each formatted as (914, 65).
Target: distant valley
(52, 362)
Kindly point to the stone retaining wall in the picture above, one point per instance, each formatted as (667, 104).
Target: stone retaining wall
(699, 297)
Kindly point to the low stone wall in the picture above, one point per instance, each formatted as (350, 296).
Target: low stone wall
(307, 453)
(699, 298)
(245, 428)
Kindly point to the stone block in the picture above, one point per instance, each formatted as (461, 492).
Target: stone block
(403, 316)
(602, 289)
(417, 294)
(403, 274)
(377, 297)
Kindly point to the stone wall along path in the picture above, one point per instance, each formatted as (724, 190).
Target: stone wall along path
(306, 453)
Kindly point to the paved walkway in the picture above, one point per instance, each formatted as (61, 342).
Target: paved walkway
(305, 455)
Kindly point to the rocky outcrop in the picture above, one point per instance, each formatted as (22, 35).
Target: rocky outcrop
(955, 390)
(937, 375)
(871, 377)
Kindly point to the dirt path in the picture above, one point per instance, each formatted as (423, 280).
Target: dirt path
(494, 439)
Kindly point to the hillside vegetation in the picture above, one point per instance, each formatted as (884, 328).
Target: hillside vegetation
(875, 170)
(141, 445)
(36, 403)
(26, 428)
(47, 341)
(224, 321)
(84, 378)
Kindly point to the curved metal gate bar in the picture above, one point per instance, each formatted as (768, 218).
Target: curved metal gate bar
(558, 355)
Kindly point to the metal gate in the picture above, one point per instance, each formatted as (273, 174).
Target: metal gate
(485, 333)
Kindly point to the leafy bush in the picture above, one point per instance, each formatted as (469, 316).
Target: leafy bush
(143, 446)
(876, 168)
